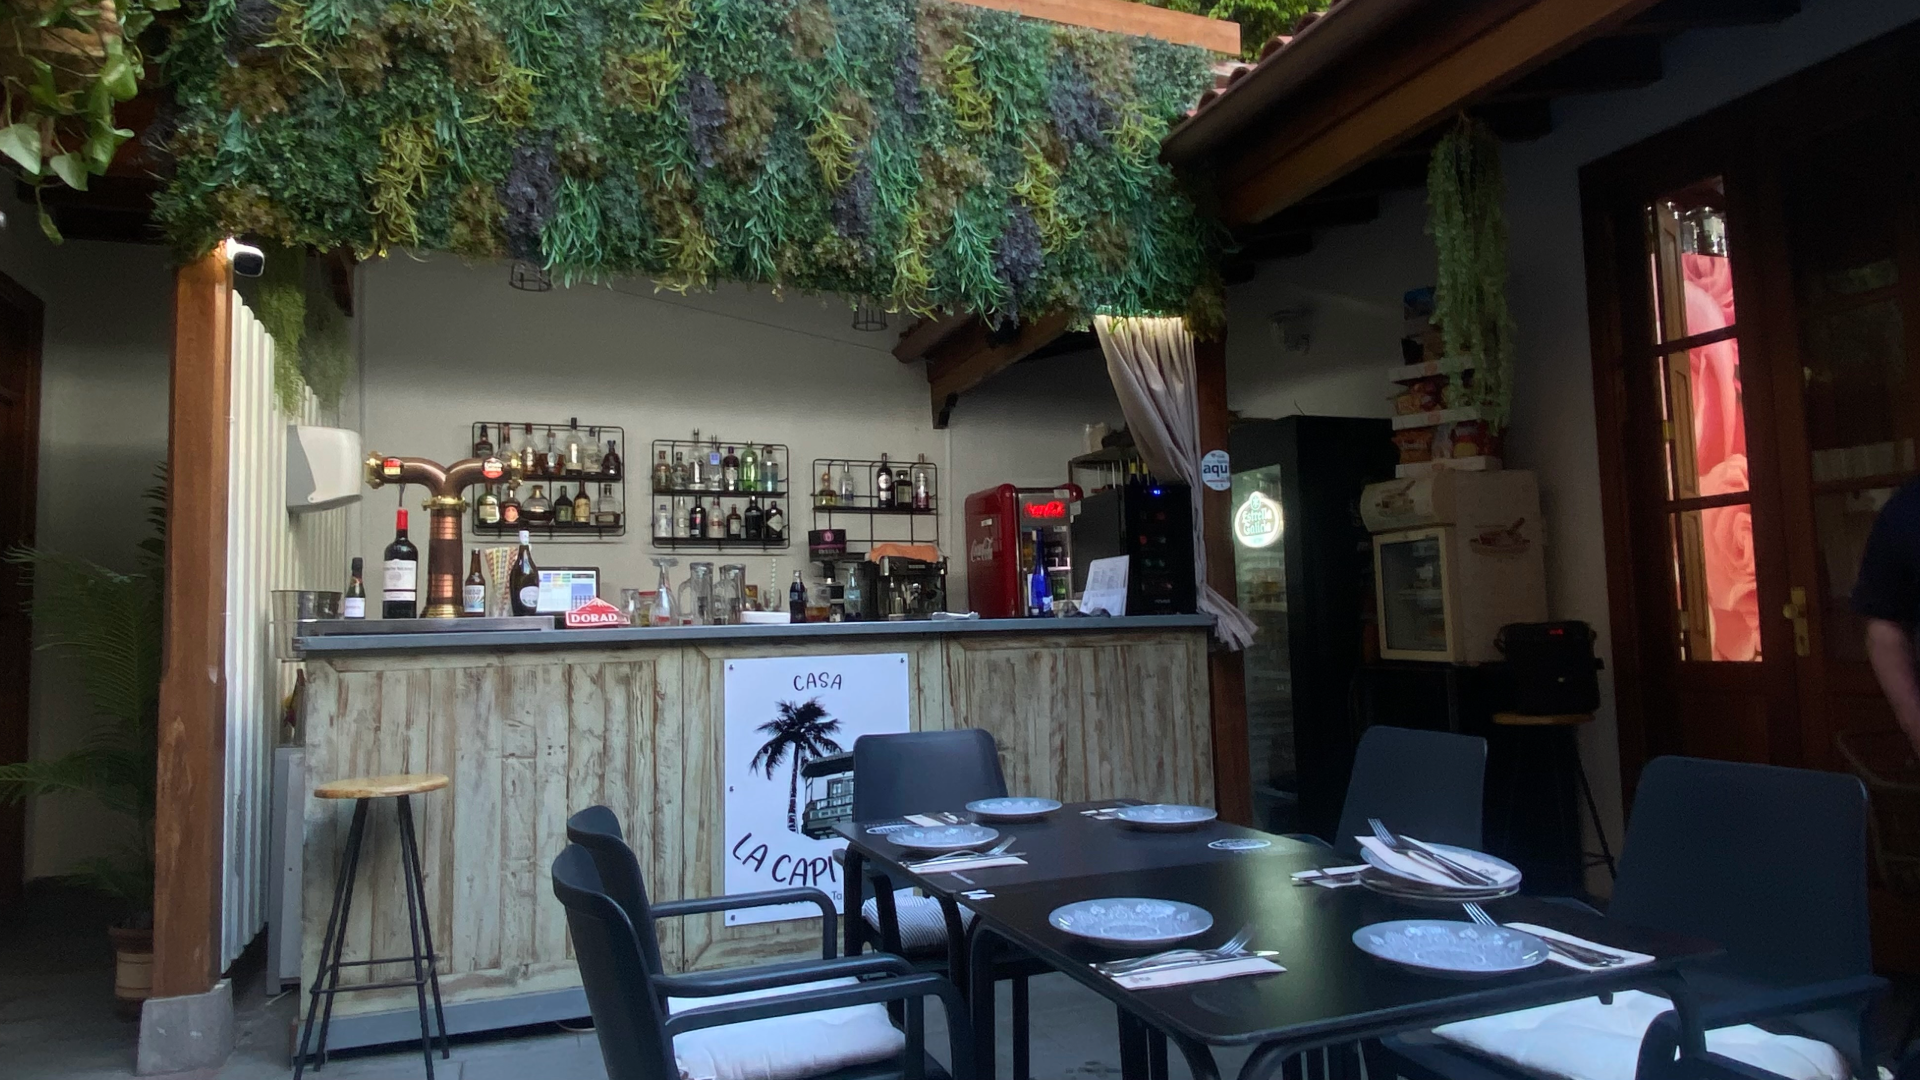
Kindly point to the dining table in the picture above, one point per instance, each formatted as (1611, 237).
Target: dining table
(1330, 993)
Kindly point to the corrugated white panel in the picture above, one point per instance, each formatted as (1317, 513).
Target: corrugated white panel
(267, 549)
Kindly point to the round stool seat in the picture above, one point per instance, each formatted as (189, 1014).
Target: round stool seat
(380, 787)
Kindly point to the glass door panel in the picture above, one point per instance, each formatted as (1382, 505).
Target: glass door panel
(1260, 580)
(1413, 592)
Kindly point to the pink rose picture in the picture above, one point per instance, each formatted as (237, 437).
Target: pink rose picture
(1720, 460)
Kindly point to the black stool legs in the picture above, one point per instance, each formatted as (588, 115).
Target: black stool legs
(326, 981)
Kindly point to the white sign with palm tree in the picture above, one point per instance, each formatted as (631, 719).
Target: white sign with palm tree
(783, 713)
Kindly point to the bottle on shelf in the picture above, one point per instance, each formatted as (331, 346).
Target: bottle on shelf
(696, 465)
(556, 457)
(697, 520)
(797, 599)
(483, 446)
(733, 523)
(846, 483)
(662, 613)
(776, 528)
(1039, 589)
(826, 495)
(753, 523)
(473, 594)
(608, 511)
(883, 485)
(662, 472)
(509, 453)
(663, 522)
(537, 510)
(400, 585)
(713, 463)
(730, 471)
(610, 461)
(593, 454)
(769, 470)
(510, 509)
(749, 469)
(571, 463)
(680, 525)
(562, 507)
(354, 604)
(523, 581)
(582, 507)
(532, 460)
(487, 507)
(922, 485)
(678, 480)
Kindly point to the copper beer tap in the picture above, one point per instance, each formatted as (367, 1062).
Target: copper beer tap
(446, 507)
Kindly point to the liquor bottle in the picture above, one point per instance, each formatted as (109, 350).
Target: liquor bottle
(573, 463)
(556, 457)
(826, 497)
(473, 595)
(730, 471)
(922, 485)
(508, 452)
(487, 508)
(537, 510)
(510, 509)
(662, 472)
(582, 507)
(769, 470)
(523, 581)
(749, 469)
(562, 507)
(354, 606)
(662, 522)
(776, 523)
(753, 523)
(797, 599)
(610, 461)
(696, 465)
(883, 485)
(733, 522)
(592, 455)
(399, 598)
(846, 483)
(532, 459)
(680, 481)
(1039, 590)
(697, 520)
(608, 511)
(713, 462)
(483, 446)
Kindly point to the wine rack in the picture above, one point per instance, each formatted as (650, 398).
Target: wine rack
(770, 485)
(550, 485)
(922, 524)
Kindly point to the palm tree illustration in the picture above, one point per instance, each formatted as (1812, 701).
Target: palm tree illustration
(801, 732)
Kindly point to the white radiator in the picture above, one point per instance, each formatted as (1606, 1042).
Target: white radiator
(267, 549)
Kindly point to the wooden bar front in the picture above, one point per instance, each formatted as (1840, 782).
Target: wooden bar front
(531, 733)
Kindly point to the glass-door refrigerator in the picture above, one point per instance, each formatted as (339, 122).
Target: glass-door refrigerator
(1303, 568)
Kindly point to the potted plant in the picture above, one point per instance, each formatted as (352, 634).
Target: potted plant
(110, 623)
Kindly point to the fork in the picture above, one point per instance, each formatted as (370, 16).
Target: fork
(1577, 953)
(1463, 874)
(1000, 848)
(1229, 949)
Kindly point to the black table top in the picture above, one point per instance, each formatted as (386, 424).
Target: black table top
(1331, 991)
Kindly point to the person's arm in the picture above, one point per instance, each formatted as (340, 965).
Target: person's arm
(1890, 650)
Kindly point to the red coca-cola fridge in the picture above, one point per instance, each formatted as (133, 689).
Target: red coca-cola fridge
(1008, 528)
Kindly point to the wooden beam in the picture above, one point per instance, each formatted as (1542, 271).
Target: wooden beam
(1600, 66)
(975, 355)
(1126, 17)
(925, 335)
(1679, 16)
(192, 736)
(1441, 65)
(1226, 669)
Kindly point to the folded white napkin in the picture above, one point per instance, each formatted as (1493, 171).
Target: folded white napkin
(1332, 877)
(926, 820)
(1421, 870)
(984, 862)
(1195, 973)
(1631, 958)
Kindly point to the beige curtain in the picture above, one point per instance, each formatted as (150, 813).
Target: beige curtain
(1151, 364)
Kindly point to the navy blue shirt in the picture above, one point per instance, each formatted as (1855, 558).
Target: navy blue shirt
(1888, 586)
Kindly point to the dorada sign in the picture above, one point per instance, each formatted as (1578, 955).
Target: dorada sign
(595, 613)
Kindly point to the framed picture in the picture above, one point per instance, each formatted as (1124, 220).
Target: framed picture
(563, 588)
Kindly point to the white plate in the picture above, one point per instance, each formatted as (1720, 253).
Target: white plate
(944, 837)
(1458, 948)
(1014, 808)
(1166, 817)
(1131, 920)
(1506, 875)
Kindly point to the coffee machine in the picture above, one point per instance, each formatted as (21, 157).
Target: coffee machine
(909, 588)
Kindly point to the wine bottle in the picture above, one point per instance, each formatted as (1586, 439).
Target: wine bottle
(797, 599)
(473, 595)
(483, 446)
(883, 485)
(354, 606)
(523, 582)
(400, 595)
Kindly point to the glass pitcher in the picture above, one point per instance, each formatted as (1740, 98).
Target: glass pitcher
(662, 612)
(730, 596)
(696, 595)
(634, 606)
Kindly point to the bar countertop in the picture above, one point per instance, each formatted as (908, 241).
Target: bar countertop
(448, 640)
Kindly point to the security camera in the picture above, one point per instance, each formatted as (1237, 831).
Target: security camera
(247, 260)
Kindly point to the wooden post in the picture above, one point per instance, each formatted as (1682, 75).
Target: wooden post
(1226, 669)
(192, 737)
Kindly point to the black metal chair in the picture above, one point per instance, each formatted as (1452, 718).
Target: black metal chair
(637, 1027)
(1768, 862)
(1427, 784)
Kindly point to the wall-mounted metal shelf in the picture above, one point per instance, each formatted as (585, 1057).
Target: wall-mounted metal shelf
(768, 481)
(922, 522)
(515, 438)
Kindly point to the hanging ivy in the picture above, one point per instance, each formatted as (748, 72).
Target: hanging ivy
(936, 156)
(1469, 228)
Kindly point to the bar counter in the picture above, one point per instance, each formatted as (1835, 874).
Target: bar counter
(532, 725)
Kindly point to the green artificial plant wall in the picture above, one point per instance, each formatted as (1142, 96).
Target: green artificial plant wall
(935, 156)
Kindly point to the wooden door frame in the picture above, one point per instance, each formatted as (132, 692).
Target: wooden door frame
(16, 724)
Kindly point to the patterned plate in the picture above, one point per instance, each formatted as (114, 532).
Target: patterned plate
(1166, 817)
(1459, 948)
(944, 837)
(1505, 874)
(1012, 809)
(1240, 843)
(1131, 920)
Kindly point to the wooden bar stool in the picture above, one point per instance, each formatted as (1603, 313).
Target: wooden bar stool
(1567, 775)
(426, 973)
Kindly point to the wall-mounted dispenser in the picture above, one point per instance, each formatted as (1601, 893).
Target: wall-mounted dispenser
(324, 467)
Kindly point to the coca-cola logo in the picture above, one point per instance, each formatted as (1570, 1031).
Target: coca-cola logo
(595, 613)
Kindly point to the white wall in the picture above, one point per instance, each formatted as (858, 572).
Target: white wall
(1355, 277)
(444, 344)
(103, 429)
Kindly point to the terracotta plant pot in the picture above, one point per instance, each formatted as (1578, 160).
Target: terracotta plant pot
(132, 969)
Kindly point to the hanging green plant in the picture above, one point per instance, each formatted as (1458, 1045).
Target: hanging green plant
(1468, 223)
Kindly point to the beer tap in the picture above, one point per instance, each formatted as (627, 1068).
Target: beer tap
(445, 508)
